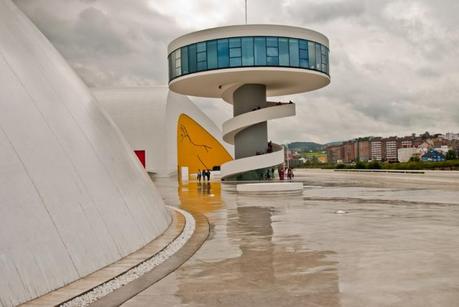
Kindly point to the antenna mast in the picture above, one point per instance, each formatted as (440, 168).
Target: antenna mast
(245, 11)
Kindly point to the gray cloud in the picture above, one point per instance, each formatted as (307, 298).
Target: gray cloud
(325, 11)
(108, 43)
(394, 63)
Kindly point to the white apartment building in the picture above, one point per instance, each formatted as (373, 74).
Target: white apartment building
(391, 150)
(376, 150)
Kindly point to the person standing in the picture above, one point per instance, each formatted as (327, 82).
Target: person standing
(203, 174)
(208, 175)
(290, 173)
(268, 174)
(198, 175)
(281, 173)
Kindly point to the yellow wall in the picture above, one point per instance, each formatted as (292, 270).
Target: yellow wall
(197, 148)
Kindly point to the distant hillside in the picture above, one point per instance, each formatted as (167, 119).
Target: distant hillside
(306, 146)
(332, 143)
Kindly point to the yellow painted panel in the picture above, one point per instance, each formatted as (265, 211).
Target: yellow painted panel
(197, 149)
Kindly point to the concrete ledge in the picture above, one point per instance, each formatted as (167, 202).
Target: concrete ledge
(133, 288)
(270, 187)
(87, 283)
(380, 171)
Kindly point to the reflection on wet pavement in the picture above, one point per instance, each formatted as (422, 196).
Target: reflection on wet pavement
(264, 273)
(395, 246)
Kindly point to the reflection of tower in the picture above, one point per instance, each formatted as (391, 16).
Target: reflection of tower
(243, 65)
(265, 272)
(255, 234)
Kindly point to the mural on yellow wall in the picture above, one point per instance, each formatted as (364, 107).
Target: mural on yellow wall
(197, 149)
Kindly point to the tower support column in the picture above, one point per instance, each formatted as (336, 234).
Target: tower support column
(253, 139)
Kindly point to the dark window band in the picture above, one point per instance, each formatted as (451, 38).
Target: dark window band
(250, 51)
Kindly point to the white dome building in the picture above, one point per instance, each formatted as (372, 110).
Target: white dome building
(73, 196)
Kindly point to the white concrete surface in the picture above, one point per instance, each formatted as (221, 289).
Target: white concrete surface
(139, 270)
(242, 121)
(255, 162)
(148, 118)
(236, 124)
(73, 196)
(397, 245)
(221, 83)
(270, 187)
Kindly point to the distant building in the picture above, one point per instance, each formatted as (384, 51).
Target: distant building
(363, 150)
(455, 146)
(335, 153)
(439, 142)
(349, 152)
(433, 156)
(405, 154)
(407, 142)
(452, 136)
(322, 159)
(376, 149)
(443, 149)
(388, 149)
(391, 147)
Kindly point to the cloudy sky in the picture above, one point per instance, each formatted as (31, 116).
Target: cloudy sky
(394, 63)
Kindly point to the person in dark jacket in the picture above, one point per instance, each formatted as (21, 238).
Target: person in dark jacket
(270, 147)
(290, 174)
(203, 174)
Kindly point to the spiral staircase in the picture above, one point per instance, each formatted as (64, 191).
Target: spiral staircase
(258, 161)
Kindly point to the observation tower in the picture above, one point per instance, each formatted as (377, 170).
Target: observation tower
(243, 65)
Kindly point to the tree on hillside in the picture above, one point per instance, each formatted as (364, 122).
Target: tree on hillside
(451, 155)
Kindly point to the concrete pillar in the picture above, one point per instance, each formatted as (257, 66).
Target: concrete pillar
(255, 138)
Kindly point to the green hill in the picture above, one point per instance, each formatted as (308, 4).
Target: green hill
(306, 146)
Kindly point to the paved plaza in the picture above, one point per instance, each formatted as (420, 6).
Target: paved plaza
(352, 239)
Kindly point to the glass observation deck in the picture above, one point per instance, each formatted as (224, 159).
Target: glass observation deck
(250, 51)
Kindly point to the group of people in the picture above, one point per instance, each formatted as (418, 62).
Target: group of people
(204, 175)
(277, 104)
(280, 103)
(282, 172)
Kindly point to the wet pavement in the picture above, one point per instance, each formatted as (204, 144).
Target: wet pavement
(350, 240)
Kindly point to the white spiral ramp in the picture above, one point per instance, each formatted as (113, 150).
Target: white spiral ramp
(243, 121)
